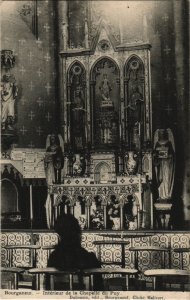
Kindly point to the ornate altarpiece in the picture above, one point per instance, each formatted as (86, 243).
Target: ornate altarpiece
(106, 118)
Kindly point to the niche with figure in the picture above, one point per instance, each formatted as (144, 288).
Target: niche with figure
(103, 173)
(77, 103)
(106, 102)
(134, 102)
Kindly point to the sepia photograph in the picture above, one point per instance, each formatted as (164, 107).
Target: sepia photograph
(95, 143)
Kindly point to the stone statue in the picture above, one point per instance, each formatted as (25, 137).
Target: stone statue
(78, 118)
(105, 88)
(164, 162)
(135, 115)
(54, 159)
(9, 93)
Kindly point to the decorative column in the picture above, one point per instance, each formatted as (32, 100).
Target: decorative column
(86, 34)
(63, 24)
(63, 45)
(181, 34)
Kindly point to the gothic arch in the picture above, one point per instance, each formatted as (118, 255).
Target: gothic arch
(105, 102)
(103, 58)
(134, 99)
(76, 105)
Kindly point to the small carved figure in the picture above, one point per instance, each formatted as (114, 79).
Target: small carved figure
(164, 162)
(79, 165)
(54, 159)
(9, 93)
(7, 59)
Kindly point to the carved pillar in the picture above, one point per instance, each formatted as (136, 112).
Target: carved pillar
(63, 44)
(86, 34)
(147, 92)
(88, 99)
(181, 35)
(63, 24)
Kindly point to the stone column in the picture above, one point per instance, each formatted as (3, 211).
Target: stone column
(180, 15)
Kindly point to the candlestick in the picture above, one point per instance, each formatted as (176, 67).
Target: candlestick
(151, 211)
(31, 204)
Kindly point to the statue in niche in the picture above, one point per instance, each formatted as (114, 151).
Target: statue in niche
(105, 88)
(164, 162)
(54, 159)
(135, 112)
(9, 92)
(78, 117)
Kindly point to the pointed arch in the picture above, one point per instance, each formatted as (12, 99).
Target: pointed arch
(76, 105)
(134, 92)
(104, 58)
(105, 102)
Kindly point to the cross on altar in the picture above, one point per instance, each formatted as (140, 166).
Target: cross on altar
(23, 130)
(48, 116)
(31, 115)
(39, 130)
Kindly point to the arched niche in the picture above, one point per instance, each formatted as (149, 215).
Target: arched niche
(102, 173)
(134, 101)
(76, 105)
(9, 197)
(105, 101)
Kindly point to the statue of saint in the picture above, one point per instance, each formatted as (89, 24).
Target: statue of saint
(78, 118)
(9, 93)
(135, 114)
(134, 105)
(164, 162)
(105, 88)
(54, 159)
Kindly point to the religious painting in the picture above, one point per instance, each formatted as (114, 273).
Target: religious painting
(77, 112)
(134, 102)
(106, 102)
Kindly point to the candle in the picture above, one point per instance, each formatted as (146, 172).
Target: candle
(31, 204)
(151, 211)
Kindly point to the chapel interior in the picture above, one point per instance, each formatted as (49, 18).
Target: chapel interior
(95, 123)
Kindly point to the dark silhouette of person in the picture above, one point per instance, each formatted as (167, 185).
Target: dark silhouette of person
(69, 254)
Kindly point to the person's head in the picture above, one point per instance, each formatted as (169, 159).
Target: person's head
(69, 230)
